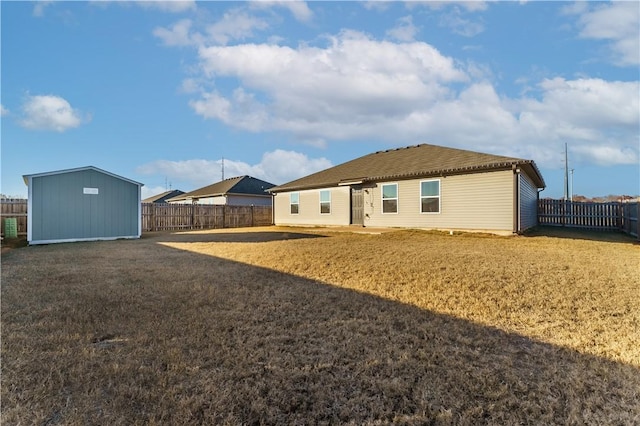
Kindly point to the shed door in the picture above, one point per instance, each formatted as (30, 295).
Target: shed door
(357, 205)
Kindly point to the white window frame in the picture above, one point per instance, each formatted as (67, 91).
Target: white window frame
(291, 203)
(382, 199)
(328, 191)
(431, 196)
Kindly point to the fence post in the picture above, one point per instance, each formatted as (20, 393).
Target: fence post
(224, 215)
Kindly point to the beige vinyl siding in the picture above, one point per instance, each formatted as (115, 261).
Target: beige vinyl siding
(231, 200)
(528, 203)
(207, 201)
(480, 201)
(309, 208)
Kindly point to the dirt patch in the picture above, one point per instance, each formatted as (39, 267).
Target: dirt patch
(9, 244)
(294, 326)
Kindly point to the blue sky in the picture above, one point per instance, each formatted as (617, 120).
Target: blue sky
(160, 92)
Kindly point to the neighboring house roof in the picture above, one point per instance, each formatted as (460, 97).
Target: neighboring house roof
(411, 162)
(78, 169)
(161, 198)
(241, 185)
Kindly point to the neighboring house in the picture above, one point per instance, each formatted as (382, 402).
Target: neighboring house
(237, 191)
(163, 197)
(82, 204)
(422, 186)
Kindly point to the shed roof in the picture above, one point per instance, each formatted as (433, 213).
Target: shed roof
(415, 161)
(241, 185)
(78, 169)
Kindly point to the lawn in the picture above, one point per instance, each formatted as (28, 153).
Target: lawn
(311, 326)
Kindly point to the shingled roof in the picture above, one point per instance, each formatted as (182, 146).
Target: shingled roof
(163, 197)
(241, 185)
(411, 162)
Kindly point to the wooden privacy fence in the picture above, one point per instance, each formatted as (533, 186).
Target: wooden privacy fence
(171, 217)
(611, 216)
(14, 208)
(166, 217)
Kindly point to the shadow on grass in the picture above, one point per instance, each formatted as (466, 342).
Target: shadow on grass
(230, 237)
(221, 342)
(581, 234)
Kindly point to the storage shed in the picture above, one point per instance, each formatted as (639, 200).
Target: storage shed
(82, 204)
(422, 186)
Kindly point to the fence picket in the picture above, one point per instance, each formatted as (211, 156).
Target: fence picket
(170, 217)
(609, 216)
(167, 217)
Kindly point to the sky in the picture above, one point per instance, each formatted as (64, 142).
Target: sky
(162, 92)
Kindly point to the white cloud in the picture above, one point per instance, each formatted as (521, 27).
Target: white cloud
(460, 25)
(299, 9)
(470, 6)
(616, 22)
(152, 191)
(316, 93)
(235, 25)
(599, 118)
(39, 7)
(377, 5)
(277, 167)
(405, 30)
(171, 6)
(48, 112)
(177, 35)
(607, 155)
(358, 88)
(3, 111)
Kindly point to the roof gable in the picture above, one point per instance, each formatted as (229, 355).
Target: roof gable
(78, 169)
(411, 162)
(243, 185)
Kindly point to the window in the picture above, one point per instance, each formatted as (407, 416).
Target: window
(430, 196)
(325, 202)
(294, 202)
(390, 198)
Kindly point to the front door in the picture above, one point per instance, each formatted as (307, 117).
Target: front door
(357, 206)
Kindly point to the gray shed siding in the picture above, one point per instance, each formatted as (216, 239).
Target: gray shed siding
(528, 204)
(60, 210)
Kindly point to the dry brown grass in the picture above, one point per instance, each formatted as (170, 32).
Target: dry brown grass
(295, 326)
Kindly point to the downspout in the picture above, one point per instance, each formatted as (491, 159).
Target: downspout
(273, 208)
(516, 203)
(538, 206)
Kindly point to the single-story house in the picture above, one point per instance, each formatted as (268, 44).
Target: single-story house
(82, 204)
(236, 191)
(423, 186)
(163, 197)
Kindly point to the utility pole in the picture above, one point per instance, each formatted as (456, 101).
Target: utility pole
(222, 168)
(566, 173)
(571, 186)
